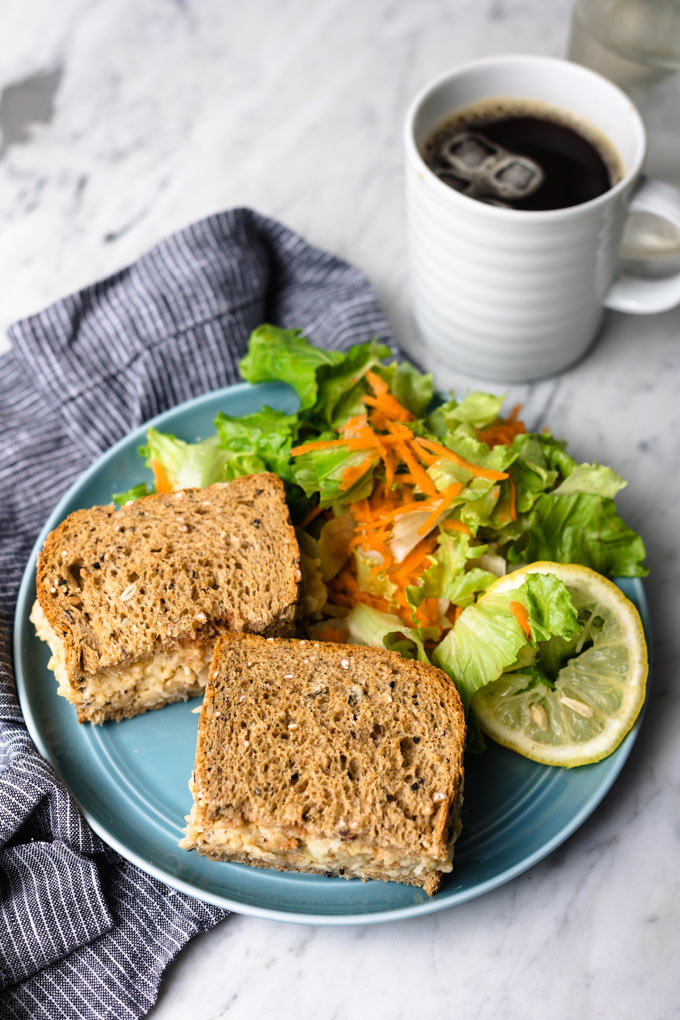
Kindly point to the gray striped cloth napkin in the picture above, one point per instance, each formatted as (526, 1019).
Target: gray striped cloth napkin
(83, 933)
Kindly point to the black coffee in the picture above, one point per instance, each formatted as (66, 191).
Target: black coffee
(522, 155)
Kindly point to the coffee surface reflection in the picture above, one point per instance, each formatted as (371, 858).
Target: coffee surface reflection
(522, 155)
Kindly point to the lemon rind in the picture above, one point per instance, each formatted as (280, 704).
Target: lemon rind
(611, 737)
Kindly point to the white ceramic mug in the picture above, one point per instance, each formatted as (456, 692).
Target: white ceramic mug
(510, 294)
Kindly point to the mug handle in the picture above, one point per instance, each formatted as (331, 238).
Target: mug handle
(636, 294)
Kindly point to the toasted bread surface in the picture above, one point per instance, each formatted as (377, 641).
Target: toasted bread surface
(315, 756)
(117, 586)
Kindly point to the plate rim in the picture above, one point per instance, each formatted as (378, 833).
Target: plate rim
(439, 901)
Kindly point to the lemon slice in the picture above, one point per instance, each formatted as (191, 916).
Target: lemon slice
(596, 696)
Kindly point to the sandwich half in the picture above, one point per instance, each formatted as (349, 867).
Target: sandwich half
(320, 757)
(131, 601)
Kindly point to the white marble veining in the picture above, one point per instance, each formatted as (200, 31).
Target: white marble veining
(145, 115)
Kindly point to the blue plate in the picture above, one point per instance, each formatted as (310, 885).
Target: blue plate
(130, 778)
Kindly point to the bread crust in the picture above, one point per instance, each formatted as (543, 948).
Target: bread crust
(119, 585)
(307, 740)
(430, 885)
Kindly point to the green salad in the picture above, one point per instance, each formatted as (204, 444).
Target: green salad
(408, 508)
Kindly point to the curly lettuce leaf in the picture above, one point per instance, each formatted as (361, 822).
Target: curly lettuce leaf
(189, 465)
(555, 453)
(136, 492)
(329, 384)
(321, 471)
(530, 470)
(285, 355)
(477, 503)
(463, 441)
(447, 576)
(591, 479)
(369, 626)
(580, 528)
(477, 409)
(488, 637)
(551, 609)
(239, 464)
(413, 389)
(267, 436)
(341, 388)
(468, 586)
(370, 581)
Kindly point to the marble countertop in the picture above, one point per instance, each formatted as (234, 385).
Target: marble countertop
(122, 122)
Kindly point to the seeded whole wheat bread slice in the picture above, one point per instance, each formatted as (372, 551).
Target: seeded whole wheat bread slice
(167, 572)
(329, 758)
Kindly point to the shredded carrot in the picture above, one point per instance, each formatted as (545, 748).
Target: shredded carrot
(388, 441)
(364, 439)
(353, 473)
(500, 433)
(475, 469)
(400, 431)
(521, 615)
(319, 444)
(423, 480)
(380, 447)
(360, 442)
(391, 512)
(404, 486)
(344, 590)
(389, 406)
(331, 633)
(383, 567)
(427, 614)
(361, 510)
(378, 385)
(453, 525)
(391, 465)
(503, 430)
(357, 422)
(408, 571)
(428, 459)
(310, 516)
(448, 495)
(161, 480)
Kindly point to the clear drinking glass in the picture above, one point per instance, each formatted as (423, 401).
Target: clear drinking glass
(636, 44)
